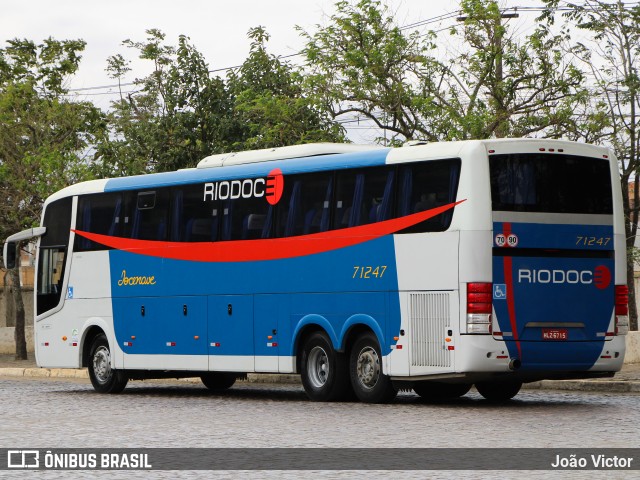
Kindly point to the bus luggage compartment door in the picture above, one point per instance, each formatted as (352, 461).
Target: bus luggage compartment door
(171, 326)
(230, 337)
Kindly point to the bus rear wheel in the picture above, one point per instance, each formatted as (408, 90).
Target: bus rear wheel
(104, 378)
(365, 367)
(218, 381)
(441, 391)
(325, 374)
(498, 391)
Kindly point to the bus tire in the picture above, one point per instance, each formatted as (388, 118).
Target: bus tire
(218, 381)
(440, 390)
(104, 378)
(498, 391)
(365, 368)
(324, 372)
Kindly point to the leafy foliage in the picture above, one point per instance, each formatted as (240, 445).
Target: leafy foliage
(181, 113)
(270, 103)
(46, 141)
(363, 63)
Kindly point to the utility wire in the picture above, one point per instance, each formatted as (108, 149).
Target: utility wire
(224, 69)
(420, 23)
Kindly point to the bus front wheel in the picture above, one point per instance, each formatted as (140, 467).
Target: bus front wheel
(104, 378)
(218, 381)
(498, 391)
(365, 367)
(325, 374)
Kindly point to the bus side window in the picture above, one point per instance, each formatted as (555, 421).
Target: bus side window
(378, 195)
(348, 194)
(100, 213)
(151, 216)
(193, 219)
(364, 196)
(246, 218)
(427, 185)
(305, 205)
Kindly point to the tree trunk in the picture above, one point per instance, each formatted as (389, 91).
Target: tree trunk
(19, 334)
(633, 312)
(10, 318)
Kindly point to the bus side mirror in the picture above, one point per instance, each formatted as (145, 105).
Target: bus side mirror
(10, 254)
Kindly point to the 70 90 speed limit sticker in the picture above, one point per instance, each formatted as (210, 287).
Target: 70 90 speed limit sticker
(503, 240)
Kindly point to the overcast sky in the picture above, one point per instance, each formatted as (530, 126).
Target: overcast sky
(218, 29)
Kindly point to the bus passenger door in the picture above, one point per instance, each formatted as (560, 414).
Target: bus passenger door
(230, 338)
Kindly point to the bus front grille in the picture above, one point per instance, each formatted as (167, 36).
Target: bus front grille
(429, 317)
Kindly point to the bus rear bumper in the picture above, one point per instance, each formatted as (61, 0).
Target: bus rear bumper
(481, 357)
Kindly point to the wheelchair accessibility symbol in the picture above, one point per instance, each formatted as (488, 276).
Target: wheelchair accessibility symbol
(500, 291)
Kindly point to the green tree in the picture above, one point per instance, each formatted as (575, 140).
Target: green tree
(179, 114)
(612, 57)
(363, 63)
(270, 103)
(45, 139)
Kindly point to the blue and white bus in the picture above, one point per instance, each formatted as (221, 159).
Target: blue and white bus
(364, 269)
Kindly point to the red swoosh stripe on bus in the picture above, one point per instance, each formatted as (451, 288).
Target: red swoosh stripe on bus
(511, 303)
(267, 249)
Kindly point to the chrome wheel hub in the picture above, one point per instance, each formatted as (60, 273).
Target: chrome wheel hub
(102, 364)
(368, 367)
(318, 367)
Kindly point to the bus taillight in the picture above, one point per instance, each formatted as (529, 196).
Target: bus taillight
(622, 310)
(479, 307)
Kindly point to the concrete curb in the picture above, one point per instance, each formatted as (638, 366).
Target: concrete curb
(611, 386)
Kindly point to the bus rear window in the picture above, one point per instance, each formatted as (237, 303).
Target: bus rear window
(546, 183)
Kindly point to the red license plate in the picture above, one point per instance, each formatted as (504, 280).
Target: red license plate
(555, 334)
